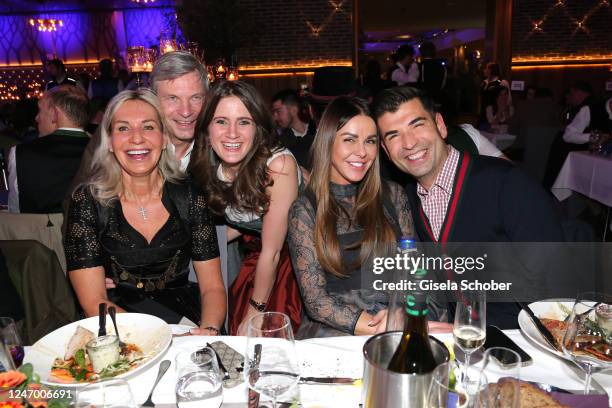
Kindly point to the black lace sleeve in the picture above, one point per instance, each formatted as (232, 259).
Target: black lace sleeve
(320, 305)
(399, 199)
(81, 242)
(204, 245)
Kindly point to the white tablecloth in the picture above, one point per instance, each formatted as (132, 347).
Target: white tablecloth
(587, 174)
(501, 140)
(342, 356)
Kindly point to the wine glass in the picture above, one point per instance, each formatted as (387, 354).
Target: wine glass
(199, 382)
(108, 394)
(504, 365)
(469, 329)
(271, 362)
(588, 338)
(9, 336)
(445, 391)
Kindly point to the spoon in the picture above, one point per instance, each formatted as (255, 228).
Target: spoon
(112, 312)
(163, 367)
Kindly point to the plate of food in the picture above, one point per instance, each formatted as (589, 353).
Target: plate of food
(67, 356)
(552, 314)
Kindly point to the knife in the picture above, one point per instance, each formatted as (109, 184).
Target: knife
(102, 319)
(329, 380)
(550, 339)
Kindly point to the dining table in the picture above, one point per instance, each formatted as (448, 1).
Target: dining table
(340, 357)
(588, 174)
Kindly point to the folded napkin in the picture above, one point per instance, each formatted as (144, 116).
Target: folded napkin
(581, 401)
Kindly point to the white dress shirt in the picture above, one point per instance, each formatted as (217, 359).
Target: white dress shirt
(574, 132)
(402, 77)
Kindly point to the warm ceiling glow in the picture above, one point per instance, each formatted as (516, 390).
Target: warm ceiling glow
(278, 74)
(577, 59)
(46, 24)
(557, 66)
(299, 65)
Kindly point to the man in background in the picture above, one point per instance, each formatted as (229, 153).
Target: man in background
(296, 133)
(40, 171)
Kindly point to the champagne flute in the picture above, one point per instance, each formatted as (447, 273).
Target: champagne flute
(9, 336)
(199, 381)
(108, 394)
(469, 329)
(271, 362)
(588, 338)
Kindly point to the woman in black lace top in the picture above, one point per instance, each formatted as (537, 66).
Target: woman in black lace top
(346, 214)
(137, 222)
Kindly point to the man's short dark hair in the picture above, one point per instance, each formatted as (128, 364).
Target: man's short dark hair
(390, 100)
(287, 97)
(403, 51)
(57, 63)
(73, 101)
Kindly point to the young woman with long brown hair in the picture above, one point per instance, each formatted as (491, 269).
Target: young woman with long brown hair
(346, 215)
(251, 181)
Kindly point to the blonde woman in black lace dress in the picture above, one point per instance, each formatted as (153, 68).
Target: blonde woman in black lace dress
(346, 215)
(137, 222)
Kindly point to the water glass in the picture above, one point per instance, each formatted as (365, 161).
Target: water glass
(199, 381)
(108, 394)
(11, 341)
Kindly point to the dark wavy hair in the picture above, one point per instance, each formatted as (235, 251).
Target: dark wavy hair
(248, 190)
(368, 212)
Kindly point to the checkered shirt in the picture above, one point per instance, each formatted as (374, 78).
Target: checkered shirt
(435, 201)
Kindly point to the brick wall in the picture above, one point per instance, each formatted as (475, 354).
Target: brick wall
(558, 33)
(287, 39)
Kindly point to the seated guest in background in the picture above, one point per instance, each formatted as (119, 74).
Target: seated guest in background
(57, 71)
(584, 115)
(346, 214)
(252, 181)
(499, 110)
(105, 86)
(406, 70)
(136, 221)
(495, 201)
(40, 171)
(296, 132)
(97, 106)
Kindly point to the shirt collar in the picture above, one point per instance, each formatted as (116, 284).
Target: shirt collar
(403, 68)
(446, 178)
(70, 129)
(298, 134)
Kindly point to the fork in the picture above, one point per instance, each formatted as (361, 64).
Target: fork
(163, 367)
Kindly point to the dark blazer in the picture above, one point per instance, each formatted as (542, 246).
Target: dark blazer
(495, 202)
(45, 168)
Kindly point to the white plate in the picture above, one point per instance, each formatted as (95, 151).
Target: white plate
(150, 333)
(548, 309)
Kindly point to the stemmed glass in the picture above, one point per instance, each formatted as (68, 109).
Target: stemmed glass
(10, 339)
(504, 365)
(109, 394)
(446, 392)
(271, 362)
(199, 382)
(469, 330)
(588, 338)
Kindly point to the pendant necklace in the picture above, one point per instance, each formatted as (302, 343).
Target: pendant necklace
(143, 213)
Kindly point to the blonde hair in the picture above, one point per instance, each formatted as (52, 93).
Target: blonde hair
(105, 182)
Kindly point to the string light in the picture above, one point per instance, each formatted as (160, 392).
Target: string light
(336, 8)
(46, 24)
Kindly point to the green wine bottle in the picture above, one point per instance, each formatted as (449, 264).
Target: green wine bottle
(414, 355)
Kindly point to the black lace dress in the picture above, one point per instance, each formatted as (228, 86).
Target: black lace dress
(334, 304)
(151, 277)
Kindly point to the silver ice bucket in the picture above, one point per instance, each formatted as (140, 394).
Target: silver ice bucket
(386, 389)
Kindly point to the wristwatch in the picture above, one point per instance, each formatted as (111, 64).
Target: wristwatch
(260, 307)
